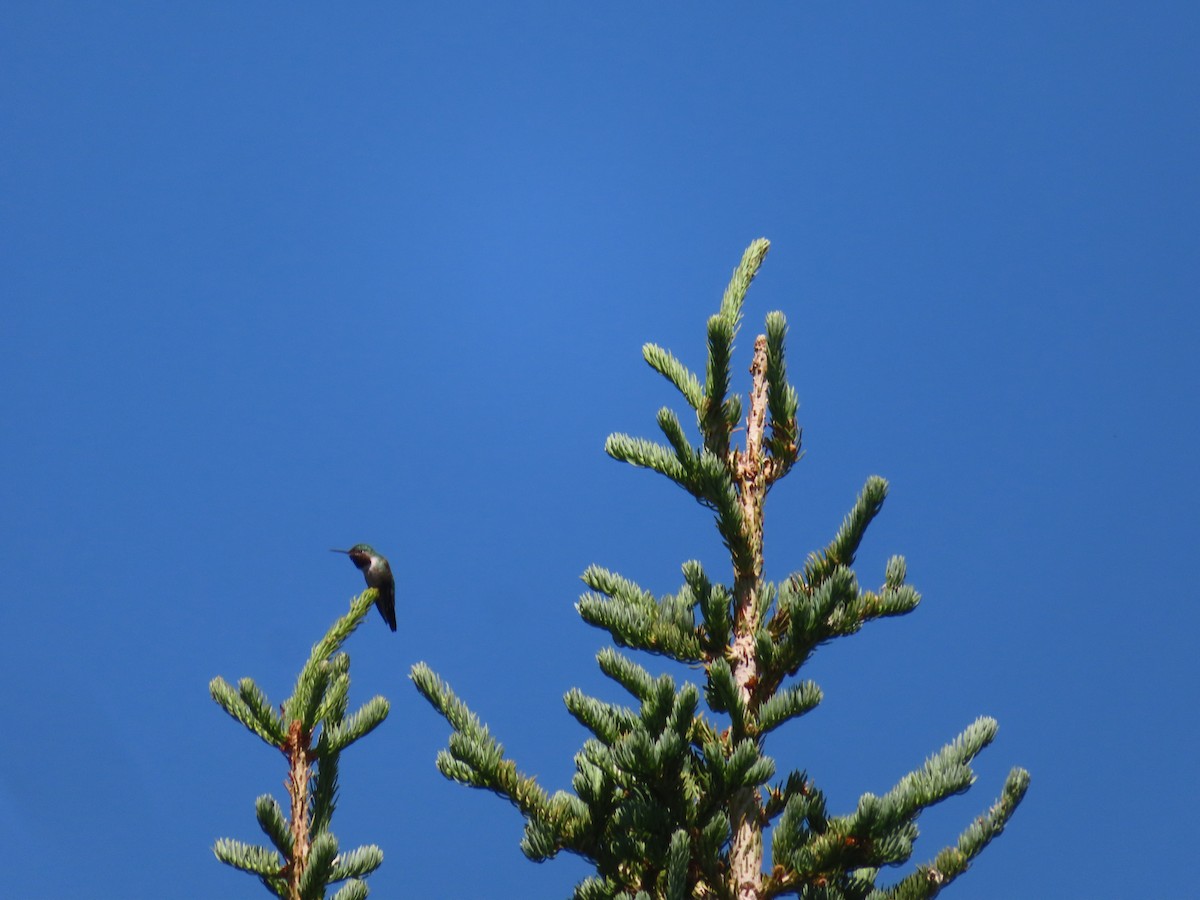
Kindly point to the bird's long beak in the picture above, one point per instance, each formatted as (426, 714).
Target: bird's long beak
(347, 552)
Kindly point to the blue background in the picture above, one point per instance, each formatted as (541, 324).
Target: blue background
(277, 279)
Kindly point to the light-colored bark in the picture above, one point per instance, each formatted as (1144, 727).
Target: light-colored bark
(750, 470)
(299, 774)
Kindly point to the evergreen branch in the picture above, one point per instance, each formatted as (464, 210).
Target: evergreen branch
(625, 672)
(324, 785)
(703, 732)
(683, 711)
(945, 774)
(475, 758)
(678, 857)
(792, 600)
(316, 874)
(787, 703)
(606, 721)
(929, 880)
(964, 748)
(715, 608)
(231, 701)
(805, 617)
(627, 624)
(717, 415)
(456, 770)
(668, 422)
(711, 417)
(782, 401)
(633, 756)
(796, 785)
(861, 882)
(304, 704)
(881, 830)
(647, 455)
(591, 781)
(767, 652)
(336, 695)
(595, 889)
(713, 836)
(563, 826)
(747, 766)
(352, 890)
(810, 619)
(896, 598)
(739, 282)
(636, 619)
(314, 677)
(333, 703)
(842, 548)
(358, 863)
(895, 602)
(989, 826)
(759, 772)
(767, 593)
(716, 489)
(613, 585)
(343, 627)
(663, 362)
(307, 850)
(664, 805)
(704, 475)
(659, 706)
(839, 859)
(744, 767)
(540, 841)
(803, 822)
(274, 825)
(362, 722)
(260, 707)
(247, 857)
(667, 753)
(722, 694)
(732, 410)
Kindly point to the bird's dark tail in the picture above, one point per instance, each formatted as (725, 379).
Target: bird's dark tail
(387, 609)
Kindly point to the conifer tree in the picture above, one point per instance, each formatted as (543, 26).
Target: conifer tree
(311, 730)
(671, 801)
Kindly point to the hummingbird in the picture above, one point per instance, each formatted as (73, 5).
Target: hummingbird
(378, 574)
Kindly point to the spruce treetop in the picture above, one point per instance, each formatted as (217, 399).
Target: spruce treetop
(671, 799)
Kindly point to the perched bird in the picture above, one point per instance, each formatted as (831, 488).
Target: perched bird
(378, 574)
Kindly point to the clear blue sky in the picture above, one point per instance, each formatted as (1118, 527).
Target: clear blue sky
(277, 279)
